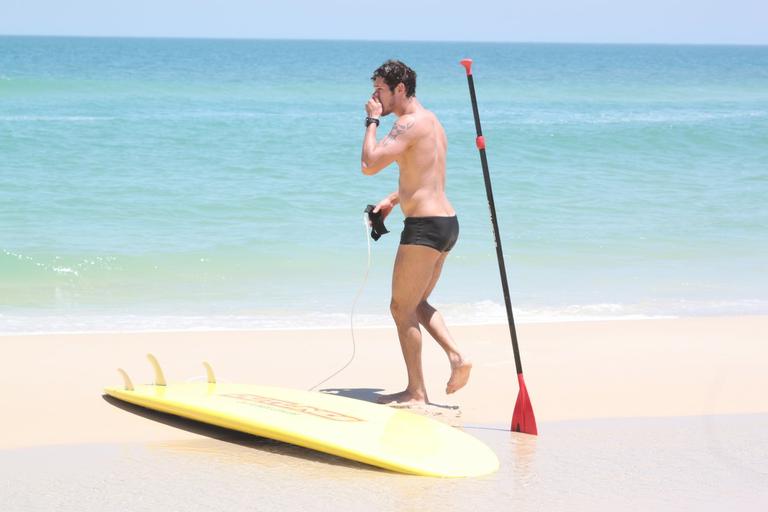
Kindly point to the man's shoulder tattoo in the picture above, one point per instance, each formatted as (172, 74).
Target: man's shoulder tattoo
(397, 130)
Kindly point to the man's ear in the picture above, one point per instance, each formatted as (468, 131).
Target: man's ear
(400, 88)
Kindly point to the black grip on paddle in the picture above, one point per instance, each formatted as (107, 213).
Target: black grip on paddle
(480, 142)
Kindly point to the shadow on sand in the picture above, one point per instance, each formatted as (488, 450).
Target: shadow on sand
(374, 395)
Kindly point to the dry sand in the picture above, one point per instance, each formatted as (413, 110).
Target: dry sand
(668, 367)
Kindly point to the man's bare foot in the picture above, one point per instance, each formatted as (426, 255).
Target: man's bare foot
(459, 376)
(403, 398)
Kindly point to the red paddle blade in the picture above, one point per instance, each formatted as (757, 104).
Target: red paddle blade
(522, 418)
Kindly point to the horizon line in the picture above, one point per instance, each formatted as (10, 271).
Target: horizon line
(316, 39)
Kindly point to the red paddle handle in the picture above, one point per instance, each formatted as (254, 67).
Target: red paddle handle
(467, 63)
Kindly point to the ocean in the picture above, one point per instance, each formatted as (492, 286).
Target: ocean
(164, 184)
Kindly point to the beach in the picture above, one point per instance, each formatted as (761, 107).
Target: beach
(672, 404)
(202, 200)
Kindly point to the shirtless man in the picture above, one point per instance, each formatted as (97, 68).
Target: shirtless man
(418, 144)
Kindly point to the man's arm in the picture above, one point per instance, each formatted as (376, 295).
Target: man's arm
(376, 156)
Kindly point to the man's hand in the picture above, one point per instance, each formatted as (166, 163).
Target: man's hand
(385, 206)
(373, 108)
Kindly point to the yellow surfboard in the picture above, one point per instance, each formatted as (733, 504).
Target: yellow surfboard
(374, 434)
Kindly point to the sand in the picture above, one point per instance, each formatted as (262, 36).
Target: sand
(635, 413)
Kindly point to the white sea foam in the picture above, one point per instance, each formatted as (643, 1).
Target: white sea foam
(479, 313)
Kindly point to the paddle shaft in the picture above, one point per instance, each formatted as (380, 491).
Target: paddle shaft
(492, 207)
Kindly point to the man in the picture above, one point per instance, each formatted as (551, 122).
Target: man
(418, 144)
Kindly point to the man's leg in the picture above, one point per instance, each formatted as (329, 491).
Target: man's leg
(414, 268)
(433, 322)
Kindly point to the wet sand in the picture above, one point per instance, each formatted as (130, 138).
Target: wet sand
(692, 463)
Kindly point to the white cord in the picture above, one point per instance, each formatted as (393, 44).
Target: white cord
(354, 305)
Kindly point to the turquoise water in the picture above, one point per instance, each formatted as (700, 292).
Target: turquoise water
(151, 183)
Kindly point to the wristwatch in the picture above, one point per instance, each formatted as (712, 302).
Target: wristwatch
(370, 120)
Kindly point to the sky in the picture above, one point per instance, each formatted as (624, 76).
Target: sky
(576, 21)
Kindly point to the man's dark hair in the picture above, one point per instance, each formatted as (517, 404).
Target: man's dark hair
(394, 72)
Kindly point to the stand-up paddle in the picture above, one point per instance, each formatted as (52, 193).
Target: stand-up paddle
(522, 417)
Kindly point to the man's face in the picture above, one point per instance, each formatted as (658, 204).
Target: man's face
(386, 97)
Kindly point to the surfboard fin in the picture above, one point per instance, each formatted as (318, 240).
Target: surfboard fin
(209, 371)
(126, 380)
(159, 377)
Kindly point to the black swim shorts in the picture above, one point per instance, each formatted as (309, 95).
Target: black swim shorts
(439, 233)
